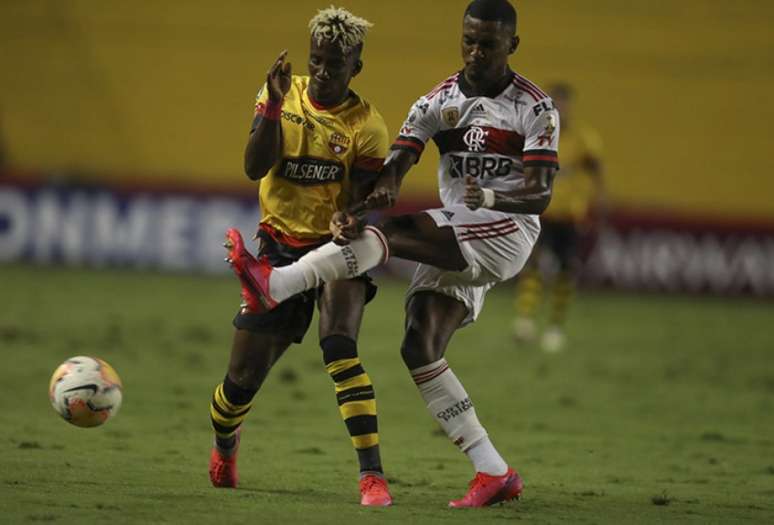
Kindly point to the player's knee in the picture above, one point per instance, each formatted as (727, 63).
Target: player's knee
(390, 226)
(417, 348)
(250, 369)
(342, 321)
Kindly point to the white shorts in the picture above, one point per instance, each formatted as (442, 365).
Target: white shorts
(496, 246)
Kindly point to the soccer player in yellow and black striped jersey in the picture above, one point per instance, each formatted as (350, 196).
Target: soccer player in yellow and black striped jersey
(316, 147)
(576, 200)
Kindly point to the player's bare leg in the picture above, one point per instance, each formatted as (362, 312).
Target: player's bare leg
(431, 320)
(341, 312)
(418, 238)
(414, 237)
(252, 356)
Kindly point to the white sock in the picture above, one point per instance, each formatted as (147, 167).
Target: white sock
(451, 406)
(486, 459)
(329, 262)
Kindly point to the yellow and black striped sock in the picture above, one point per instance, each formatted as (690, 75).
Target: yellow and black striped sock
(563, 294)
(355, 395)
(528, 293)
(229, 407)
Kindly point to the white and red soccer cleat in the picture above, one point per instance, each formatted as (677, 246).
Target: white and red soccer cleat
(253, 273)
(223, 469)
(487, 490)
(374, 491)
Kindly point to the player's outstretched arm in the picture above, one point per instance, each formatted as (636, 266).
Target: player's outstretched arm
(264, 147)
(385, 193)
(347, 225)
(532, 199)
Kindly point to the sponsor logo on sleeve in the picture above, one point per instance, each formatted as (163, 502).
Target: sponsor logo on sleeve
(540, 107)
(547, 136)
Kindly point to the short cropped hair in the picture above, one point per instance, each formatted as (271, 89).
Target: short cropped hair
(493, 11)
(338, 26)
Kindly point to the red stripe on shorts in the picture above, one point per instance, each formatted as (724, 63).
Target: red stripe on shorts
(488, 234)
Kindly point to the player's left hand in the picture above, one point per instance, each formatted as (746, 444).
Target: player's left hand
(474, 195)
(345, 227)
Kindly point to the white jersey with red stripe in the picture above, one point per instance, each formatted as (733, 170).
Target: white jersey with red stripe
(490, 138)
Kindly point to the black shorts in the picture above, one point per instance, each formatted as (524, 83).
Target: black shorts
(293, 316)
(561, 238)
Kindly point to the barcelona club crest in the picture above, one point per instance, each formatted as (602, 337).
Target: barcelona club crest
(338, 143)
(451, 116)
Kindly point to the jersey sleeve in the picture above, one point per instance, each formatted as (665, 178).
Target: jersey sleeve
(373, 144)
(421, 124)
(541, 135)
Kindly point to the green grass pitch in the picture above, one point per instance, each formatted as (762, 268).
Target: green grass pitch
(662, 410)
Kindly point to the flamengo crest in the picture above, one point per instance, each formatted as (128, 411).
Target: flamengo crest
(475, 139)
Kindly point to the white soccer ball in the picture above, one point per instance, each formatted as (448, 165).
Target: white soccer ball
(85, 391)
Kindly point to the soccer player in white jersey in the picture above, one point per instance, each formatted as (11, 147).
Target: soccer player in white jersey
(497, 133)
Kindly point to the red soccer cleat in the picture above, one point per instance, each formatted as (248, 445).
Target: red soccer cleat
(223, 469)
(374, 491)
(487, 490)
(253, 273)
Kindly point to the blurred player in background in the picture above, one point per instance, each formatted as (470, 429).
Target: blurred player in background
(497, 133)
(576, 206)
(316, 147)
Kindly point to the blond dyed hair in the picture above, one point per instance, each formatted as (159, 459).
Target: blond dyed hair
(338, 26)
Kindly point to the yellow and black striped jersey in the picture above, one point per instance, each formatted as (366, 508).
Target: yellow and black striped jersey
(574, 186)
(322, 148)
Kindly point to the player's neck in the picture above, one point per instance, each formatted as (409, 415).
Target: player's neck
(323, 105)
(486, 87)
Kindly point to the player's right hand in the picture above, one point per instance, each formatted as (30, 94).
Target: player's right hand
(278, 78)
(345, 227)
(384, 195)
(380, 198)
(474, 196)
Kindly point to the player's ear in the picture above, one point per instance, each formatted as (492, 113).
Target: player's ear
(358, 67)
(514, 43)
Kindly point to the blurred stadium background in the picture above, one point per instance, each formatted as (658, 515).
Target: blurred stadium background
(119, 120)
(122, 123)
